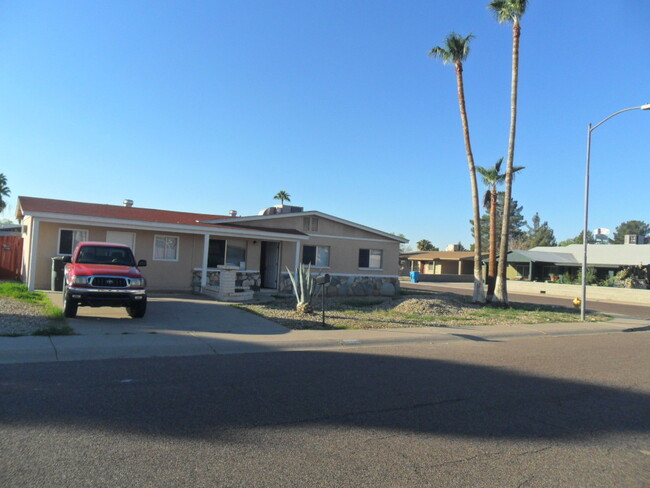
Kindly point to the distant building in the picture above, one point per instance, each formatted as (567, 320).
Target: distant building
(544, 262)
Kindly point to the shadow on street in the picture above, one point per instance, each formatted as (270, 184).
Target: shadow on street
(207, 397)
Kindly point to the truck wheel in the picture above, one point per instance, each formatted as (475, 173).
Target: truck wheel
(137, 310)
(69, 307)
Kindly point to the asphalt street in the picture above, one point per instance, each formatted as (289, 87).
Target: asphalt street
(534, 412)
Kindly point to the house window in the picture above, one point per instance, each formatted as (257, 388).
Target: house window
(310, 224)
(165, 248)
(236, 253)
(370, 258)
(216, 253)
(318, 256)
(69, 238)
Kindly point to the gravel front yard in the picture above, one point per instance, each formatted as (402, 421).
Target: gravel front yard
(21, 318)
(431, 310)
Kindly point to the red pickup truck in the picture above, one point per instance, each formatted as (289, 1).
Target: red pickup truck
(101, 274)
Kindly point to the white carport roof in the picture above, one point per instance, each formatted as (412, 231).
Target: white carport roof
(597, 254)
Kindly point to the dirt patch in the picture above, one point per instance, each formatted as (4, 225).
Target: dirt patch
(431, 310)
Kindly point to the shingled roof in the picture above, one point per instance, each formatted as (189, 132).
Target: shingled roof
(34, 205)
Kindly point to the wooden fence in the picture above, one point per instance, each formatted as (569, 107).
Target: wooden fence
(11, 253)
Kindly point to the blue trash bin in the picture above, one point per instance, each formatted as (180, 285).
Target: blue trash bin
(415, 276)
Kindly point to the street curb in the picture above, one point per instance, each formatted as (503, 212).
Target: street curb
(192, 343)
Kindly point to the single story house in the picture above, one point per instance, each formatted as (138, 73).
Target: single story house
(540, 263)
(446, 265)
(188, 251)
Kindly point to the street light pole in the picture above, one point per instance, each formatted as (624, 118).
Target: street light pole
(590, 129)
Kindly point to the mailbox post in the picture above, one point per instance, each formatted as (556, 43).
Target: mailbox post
(322, 281)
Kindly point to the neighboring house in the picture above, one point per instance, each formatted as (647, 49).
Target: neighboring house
(442, 263)
(10, 230)
(540, 263)
(187, 251)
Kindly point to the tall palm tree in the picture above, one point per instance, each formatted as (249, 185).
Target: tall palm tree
(282, 196)
(455, 50)
(4, 191)
(508, 11)
(492, 177)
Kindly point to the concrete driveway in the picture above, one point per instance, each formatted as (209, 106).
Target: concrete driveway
(169, 314)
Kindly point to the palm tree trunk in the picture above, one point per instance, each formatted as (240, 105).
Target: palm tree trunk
(479, 292)
(492, 262)
(501, 291)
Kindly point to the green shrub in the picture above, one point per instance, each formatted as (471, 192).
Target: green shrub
(591, 276)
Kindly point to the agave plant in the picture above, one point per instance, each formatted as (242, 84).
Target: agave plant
(304, 287)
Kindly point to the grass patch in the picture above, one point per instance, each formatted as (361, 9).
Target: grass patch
(362, 303)
(55, 330)
(18, 291)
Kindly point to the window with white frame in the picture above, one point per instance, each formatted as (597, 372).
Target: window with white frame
(165, 248)
(370, 258)
(236, 253)
(69, 238)
(318, 256)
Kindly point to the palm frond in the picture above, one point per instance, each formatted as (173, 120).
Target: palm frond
(497, 165)
(456, 48)
(508, 10)
(487, 200)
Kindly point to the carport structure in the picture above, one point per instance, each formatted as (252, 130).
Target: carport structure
(538, 265)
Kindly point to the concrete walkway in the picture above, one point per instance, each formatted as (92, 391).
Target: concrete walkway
(186, 326)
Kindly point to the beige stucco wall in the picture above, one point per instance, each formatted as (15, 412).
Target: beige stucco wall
(344, 242)
(325, 226)
(448, 267)
(160, 275)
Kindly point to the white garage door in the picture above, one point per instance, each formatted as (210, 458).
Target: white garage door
(127, 238)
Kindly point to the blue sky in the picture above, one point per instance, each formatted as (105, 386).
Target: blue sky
(211, 106)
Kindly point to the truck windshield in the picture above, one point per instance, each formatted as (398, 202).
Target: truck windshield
(118, 256)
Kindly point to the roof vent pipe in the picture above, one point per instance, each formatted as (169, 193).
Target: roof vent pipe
(233, 213)
(128, 203)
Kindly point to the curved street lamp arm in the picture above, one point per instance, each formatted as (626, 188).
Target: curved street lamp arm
(640, 107)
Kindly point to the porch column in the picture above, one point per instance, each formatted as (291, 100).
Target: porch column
(297, 262)
(204, 264)
(33, 252)
(460, 267)
(530, 271)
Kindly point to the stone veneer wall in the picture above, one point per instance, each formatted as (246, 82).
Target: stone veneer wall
(360, 285)
(245, 279)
